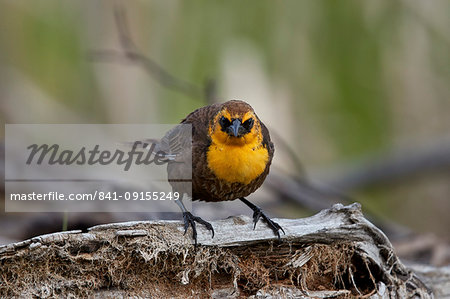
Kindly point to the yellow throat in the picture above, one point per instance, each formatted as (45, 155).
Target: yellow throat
(237, 159)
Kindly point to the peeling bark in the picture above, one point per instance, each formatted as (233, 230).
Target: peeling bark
(336, 253)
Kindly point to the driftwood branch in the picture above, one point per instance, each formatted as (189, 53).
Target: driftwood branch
(336, 253)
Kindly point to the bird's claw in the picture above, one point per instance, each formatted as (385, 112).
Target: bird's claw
(275, 227)
(189, 220)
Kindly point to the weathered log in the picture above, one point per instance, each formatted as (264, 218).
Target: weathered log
(336, 253)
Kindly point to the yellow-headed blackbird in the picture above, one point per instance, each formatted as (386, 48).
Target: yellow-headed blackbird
(231, 156)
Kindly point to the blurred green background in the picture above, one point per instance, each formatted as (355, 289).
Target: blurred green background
(343, 83)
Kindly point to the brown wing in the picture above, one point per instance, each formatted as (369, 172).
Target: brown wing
(267, 143)
(187, 161)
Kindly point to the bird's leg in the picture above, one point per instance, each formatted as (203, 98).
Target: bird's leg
(258, 213)
(189, 220)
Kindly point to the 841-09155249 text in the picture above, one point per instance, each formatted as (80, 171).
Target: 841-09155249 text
(96, 195)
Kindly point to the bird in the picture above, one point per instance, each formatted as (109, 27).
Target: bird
(229, 154)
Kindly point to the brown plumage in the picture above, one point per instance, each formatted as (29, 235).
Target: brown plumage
(206, 185)
(231, 157)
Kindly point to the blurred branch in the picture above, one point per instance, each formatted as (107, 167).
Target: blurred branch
(297, 163)
(388, 168)
(300, 191)
(131, 53)
(152, 68)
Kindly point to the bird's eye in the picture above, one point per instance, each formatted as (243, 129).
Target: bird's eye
(248, 124)
(224, 122)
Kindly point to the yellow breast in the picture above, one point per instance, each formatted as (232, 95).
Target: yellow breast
(237, 162)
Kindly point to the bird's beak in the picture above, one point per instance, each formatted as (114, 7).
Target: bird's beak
(234, 128)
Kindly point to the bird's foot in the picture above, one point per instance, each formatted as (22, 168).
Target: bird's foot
(275, 227)
(189, 220)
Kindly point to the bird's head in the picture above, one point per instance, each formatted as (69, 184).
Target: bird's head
(236, 124)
